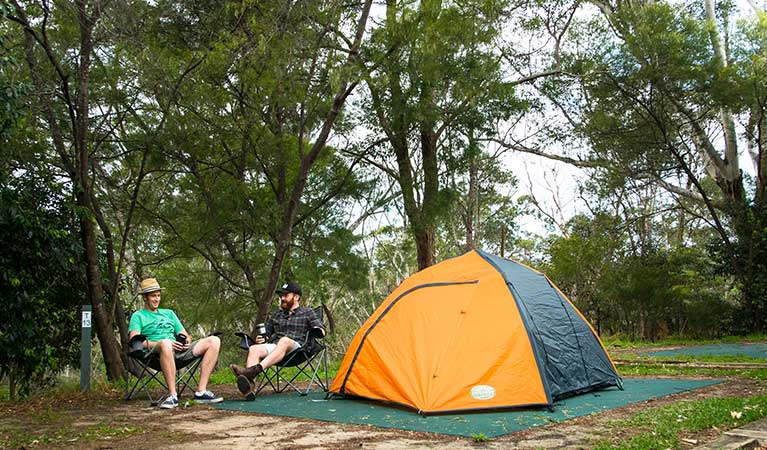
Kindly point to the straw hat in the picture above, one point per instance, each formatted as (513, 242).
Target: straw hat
(148, 285)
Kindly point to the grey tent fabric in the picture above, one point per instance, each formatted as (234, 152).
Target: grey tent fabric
(568, 353)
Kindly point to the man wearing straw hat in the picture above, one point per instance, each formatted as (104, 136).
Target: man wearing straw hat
(167, 340)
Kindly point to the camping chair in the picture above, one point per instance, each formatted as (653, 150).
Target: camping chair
(186, 373)
(308, 360)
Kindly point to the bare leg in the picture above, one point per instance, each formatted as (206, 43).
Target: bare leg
(209, 348)
(167, 364)
(284, 346)
(255, 354)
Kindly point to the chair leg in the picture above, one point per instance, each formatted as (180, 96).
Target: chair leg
(314, 379)
(265, 379)
(187, 376)
(326, 386)
(142, 383)
(275, 377)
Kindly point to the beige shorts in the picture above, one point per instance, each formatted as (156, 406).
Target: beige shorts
(182, 358)
(270, 347)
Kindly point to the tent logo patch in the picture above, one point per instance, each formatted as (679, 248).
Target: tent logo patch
(483, 392)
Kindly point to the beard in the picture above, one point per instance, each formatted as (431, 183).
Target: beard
(286, 304)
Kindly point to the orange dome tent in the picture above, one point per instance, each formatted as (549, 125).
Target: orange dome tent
(474, 332)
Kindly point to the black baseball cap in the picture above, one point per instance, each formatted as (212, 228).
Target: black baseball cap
(289, 287)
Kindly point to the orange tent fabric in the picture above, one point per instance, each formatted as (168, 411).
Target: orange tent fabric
(454, 337)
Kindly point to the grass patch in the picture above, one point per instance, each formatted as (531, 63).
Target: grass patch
(623, 342)
(670, 370)
(661, 427)
(479, 437)
(225, 376)
(695, 358)
(14, 436)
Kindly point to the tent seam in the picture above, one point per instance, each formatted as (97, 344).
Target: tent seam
(388, 308)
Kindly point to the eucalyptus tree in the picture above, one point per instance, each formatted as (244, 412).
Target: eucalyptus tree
(672, 94)
(484, 211)
(439, 88)
(41, 279)
(66, 48)
(246, 140)
(671, 99)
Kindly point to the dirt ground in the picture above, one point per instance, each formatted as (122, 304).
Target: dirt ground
(203, 428)
(104, 422)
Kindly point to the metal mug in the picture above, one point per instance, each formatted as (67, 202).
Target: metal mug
(261, 329)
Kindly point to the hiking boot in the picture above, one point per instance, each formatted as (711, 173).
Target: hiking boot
(245, 386)
(252, 372)
(207, 397)
(170, 402)
(237, 370)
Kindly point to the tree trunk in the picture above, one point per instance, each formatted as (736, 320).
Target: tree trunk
(281, 249)
(284, 236)
(102, 316)
(77, 165)
(471, 220)
(109, 347)
(12, 382)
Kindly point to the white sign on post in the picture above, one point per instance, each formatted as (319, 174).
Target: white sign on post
(86, 319)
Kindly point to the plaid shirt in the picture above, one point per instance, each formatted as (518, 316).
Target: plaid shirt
(295, 324)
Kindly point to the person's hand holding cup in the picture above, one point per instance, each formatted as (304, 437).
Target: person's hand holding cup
(180, 344)
(261, 336)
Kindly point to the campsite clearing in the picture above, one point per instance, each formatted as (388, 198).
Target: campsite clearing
(100, 421)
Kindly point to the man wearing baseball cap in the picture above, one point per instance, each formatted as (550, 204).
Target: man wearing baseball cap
(286, 330)
(168, 341)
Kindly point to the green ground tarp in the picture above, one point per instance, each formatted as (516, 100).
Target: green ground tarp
(491, 424)
(754, 350)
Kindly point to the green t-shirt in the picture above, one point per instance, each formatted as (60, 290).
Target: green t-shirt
(163, 324)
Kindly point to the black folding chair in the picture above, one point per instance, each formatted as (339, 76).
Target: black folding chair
(186, 372)
(309, 360)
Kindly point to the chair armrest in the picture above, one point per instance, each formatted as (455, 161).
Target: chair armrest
(136, 345)
(216, 333)
(316, 333)
(245, 340)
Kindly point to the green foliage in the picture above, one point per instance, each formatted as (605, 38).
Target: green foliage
(660, 369)
(641, 292)
(478, 437)
(16, 436)
(41, 281)
(662, 426)
(651, 99)
(11, 92)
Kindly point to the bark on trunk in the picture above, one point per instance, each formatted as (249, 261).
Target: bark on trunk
(109, 347)
(102, 315)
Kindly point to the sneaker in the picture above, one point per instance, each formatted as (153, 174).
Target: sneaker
(170, 402)
(245, 386)
(207, 397)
